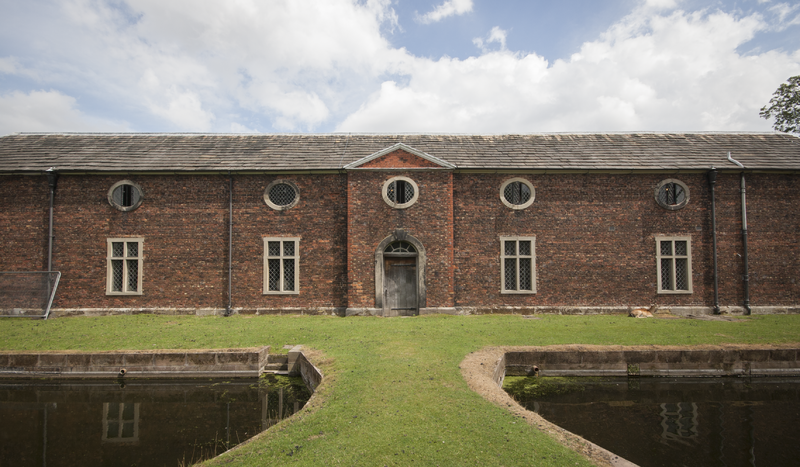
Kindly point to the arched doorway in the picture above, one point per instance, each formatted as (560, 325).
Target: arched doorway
(399, 275)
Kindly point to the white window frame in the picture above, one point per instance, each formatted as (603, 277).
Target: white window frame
(673, 257)
(523, 181)
(118, 408)
(516, 257)
(110, 258)
(281, 257)
(394, 204)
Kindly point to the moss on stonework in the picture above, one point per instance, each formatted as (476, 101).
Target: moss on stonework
(532, 387)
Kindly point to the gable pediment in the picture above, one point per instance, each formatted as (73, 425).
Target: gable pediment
(400, 156)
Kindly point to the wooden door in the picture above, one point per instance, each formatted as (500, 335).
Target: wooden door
(400, 286)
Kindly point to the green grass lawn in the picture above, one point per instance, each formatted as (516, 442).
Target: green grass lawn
(393, 393)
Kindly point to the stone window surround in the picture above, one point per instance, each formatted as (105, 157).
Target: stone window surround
(395, 205)
(671, 207)
(296, 257)
(120, 207)
(109, 268)
(688, 256)
(517, 206)
(282, 182)
(503, 256)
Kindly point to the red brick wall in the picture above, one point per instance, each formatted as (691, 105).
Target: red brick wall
(399, 158)
(183, 221)
(582, 261)
(319, 219)
(594, 238)
(370, 220)
(25, 202)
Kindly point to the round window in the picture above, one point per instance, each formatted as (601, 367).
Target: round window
(517, 193)
(400, 192)
(672, 194)
(281, 194)
(125, 196)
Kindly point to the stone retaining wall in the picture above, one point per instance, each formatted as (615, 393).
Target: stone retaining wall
(136, 364)
(652, 361)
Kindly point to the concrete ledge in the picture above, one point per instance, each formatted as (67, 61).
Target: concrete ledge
(653, 361)
(136, 364)
(299, 365)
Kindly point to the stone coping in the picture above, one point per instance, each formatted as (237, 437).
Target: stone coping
(707, 360)
(199, 363)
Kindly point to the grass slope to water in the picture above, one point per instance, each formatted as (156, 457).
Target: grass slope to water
(393, 393)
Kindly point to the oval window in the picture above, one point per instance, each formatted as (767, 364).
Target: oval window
(125, 196)
(517, 193)
(672, 194)
(400, 192)
(281, 194)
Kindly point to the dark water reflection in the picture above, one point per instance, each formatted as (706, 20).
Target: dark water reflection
(137, 423)
(679, 421)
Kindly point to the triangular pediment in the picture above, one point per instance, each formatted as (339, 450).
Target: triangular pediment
(400, 156)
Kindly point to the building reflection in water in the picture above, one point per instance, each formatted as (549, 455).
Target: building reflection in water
(137, 423)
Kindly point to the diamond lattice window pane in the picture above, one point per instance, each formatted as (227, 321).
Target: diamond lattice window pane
(680, 248)
(511, 247)
(133, 249)
(666, 248)
(671, 194)
(116, 275)
(666, 274)
(517, 193)
(273, 248)
(288, 275)
(288, 248)
(681, 274)
(133, 275)
(274, 273)
(282, 194)
(525, 247)
(511, 273)
(525, 282)
(391, 192)
(117, 249)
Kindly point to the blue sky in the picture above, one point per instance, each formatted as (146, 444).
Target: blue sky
(450, 66)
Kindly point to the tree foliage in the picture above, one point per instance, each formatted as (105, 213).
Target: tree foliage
(785, 107)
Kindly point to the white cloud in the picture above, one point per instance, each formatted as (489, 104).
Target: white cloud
(495, 35)
(446, 9)
(45, 111)
(665, 70)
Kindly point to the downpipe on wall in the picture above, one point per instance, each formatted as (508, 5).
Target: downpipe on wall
(746, 275)
(229, 308)
(712, 181)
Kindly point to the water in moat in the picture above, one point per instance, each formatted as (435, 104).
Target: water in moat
(137, 423)
(674, 421)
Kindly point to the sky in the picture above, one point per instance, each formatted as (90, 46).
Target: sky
(393, 66)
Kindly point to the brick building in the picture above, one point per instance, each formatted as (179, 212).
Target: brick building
(404, 224)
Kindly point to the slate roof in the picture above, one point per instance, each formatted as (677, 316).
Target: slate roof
(143, 152)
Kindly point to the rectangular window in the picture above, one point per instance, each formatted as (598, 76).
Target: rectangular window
(124, 263)
(120, 422)
(281, 265)
(674, 259)
(518, 264)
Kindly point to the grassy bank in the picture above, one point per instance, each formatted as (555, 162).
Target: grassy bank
(393, 393)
